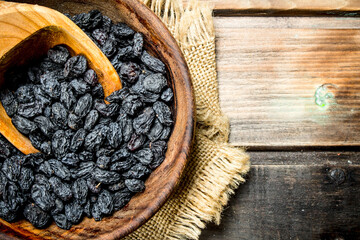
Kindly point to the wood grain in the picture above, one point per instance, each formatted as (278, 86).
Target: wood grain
(269, 70)
(226, 7)
(29, 31)
(163, 180)
(291, 195)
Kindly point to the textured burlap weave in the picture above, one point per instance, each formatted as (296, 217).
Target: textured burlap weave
(215, 169)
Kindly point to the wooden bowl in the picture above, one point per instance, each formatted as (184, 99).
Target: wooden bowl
(163, 180)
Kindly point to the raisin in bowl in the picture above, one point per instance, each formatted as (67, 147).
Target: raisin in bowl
(166, 174)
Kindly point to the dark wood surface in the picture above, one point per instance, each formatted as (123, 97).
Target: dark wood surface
(295, 195)
(162, 181)
(304, 182)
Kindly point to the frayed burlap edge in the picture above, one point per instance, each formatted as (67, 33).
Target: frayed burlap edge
(215, 168)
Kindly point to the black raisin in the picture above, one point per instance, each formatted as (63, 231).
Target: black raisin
(61, 189)
(36, 216)
(106, 177)
(135, 185)
(75, 66)
(83, 106)
(25, 126)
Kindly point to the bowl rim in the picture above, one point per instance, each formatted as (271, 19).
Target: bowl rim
(146, 17)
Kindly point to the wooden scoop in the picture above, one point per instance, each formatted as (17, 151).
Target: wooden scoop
(29, 31)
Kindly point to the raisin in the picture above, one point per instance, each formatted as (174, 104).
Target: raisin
(106, 177)
(85, 169)
(106, 23)
(25, 94)
(93, 185)
(70, 159)
(137, 171)
(75, 122)
(45, 125)
(105, 202)
(46, 169)
(42, 98)
(103, 162)
(59, 207)
(50, 85)
(167, 95)
(87, 209)
(96, 212)
(73, 212)
(136, 141)
(61, 221)
(93, 140)
(153, 63)
(163, 113)
(58, 54)
(83, 106)
(86, 156)
(12, 168)
(109, 48)
(129, 72)
(3, 183)
(6, 213)
(98, 91)
(42, 197)
(143, 122)
(119, 155)
(60, 170)
(118, 96)
(61, 189)
(144, 156)
(156, 131)
(158, 149)
(23, 125)
(132, 104)
(60, 143)
(138, 44)
(9, 102)
(80, 86)
(59, 115)
(155, 83)
(117, 186)
(121, 199)
(75, 66)
(135, 185)
(122, 30)
(80, 190)
(114, 135)
(12, 197)
(90, 77)
(77, 140)
(67, 97)
(43, 181)
(91, 120)
(121, 166)
(95, 18)
(107, 110)
(26, 179)
(36, 216)
(100, 36)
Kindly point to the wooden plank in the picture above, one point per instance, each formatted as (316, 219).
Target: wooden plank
(294, 201)
(282, 6)
(290, 81)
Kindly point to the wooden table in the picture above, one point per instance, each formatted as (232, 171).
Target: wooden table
(289, 75)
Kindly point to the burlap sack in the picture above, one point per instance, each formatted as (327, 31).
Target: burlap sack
(215, 169)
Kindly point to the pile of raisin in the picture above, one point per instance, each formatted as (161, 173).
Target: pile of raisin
(94, 155)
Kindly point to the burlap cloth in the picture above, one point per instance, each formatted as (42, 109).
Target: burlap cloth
(214, 169)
